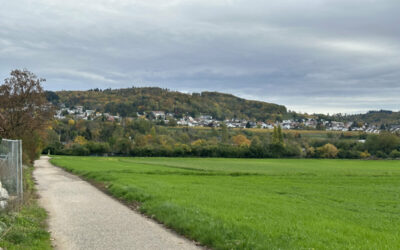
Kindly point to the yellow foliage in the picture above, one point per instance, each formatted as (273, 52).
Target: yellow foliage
(365, 154)
(310, 151)
(328, 151)
(199, 142)
(241, 140)
(71, 122)
(80, 140)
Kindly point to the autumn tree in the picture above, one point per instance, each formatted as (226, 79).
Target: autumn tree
(328, 151)
(24, 111)
(241, 140)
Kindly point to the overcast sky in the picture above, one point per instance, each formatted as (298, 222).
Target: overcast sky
(310, 55)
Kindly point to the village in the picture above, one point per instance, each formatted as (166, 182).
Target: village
(165, 118)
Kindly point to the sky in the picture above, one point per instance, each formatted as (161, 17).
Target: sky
(324, 56)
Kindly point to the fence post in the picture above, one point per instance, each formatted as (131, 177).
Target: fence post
(15, 164)
(21, 169)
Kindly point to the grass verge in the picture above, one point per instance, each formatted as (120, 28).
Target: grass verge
(25, 227)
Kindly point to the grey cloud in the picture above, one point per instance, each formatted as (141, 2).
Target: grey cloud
(311, 55)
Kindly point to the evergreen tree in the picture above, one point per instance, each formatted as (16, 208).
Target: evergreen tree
(277, 136)
(275, 139)
(280, 135)
(224, 133)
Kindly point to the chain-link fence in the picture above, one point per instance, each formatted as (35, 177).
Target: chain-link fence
(11, 167)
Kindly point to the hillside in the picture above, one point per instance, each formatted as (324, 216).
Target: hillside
(127, 102)
(386, 117)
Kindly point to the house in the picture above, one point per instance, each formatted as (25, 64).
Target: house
(159, 115)
(338, 126)
(79, 109)
(312, 123)
(89, 112)
(206, 117)
(182, 122)
(287, 124)
(395, 128)
(267, 126)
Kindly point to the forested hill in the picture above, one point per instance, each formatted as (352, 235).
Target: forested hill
(127, 102)
(385, 117)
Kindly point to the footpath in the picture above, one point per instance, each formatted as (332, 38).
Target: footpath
(82, 217)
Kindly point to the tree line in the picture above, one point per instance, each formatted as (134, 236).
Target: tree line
(26, 114)
(140, 137)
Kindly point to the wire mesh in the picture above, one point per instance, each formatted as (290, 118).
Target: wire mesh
(11, 167)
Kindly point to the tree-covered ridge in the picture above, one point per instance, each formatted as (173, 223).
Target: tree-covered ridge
(385, 117)
(127, 102)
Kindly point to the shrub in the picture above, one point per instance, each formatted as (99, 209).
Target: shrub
(79, 150)
(293, 150)
(98, 148)
(241, 140)
(385, 142)
(310, 152)
(381, 154)
(349, 154)
(365, 154)
(395, 154)
(327, 151)
(277, 150)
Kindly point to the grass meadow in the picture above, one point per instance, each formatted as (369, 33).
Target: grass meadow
(259, 203)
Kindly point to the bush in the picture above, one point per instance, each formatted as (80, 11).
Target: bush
(381, 154)
(349, 154)
(395, 154)
(365, 154)
(277, 150)
(327, 151)
(310, 152)
(79, 150)
(293, 150)
(385, 142)
(98, 148)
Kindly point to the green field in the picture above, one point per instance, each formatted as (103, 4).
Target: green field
(260, 203)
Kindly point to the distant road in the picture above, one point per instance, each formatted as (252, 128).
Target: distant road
(82, 217)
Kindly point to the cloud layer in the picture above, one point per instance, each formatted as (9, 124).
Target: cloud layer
(310, 55)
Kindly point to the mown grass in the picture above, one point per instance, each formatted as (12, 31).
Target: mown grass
(257, 203)
(24, 226)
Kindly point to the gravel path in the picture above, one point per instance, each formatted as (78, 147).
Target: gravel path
(82, 217)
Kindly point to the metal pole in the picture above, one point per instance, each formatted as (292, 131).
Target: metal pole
(15, 165)
(21, 169)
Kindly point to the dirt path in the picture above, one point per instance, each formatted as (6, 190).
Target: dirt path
(82, 217)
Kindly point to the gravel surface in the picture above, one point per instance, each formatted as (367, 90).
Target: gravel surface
(82, 217)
